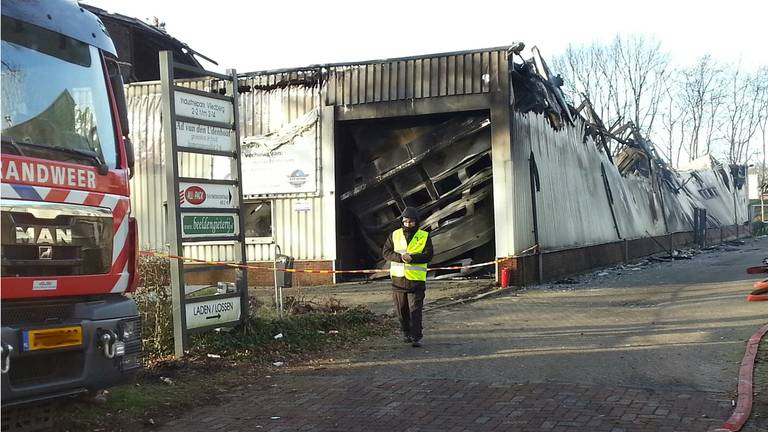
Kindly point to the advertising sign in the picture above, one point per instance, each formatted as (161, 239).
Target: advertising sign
(203, 195)
(208, 225)
(284, 162)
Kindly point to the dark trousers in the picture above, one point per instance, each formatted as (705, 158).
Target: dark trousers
(409, 307)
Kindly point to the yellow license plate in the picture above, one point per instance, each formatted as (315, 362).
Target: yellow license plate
(53, 338)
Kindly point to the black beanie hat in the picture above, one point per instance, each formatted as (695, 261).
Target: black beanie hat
(410, 213)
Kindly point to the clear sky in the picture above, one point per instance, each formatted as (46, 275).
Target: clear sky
(259, 35)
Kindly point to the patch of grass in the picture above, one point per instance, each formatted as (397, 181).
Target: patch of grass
(220, 361)
(300, 333)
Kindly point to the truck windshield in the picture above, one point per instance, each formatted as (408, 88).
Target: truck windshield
(55, 103)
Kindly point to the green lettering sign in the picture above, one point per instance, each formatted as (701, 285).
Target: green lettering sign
(204, 225)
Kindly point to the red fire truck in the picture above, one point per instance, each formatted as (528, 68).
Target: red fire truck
(69, 244)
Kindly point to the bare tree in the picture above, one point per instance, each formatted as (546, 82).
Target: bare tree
(701, 96)
(642, 66)
(584, 73)
(742, 115)
(762, 121)
(672, 122)
(624, 80)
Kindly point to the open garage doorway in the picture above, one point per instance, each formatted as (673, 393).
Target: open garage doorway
(440, 164)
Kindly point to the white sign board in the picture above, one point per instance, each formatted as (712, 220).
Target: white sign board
(284, 162)
(195, 225)
(302, 205)
(204, 137)
(203, 195)
(203, 107)
(212, 312)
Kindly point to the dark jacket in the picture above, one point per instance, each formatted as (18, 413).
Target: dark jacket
(389, 254)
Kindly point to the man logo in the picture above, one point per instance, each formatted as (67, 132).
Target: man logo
(45, 252)
(43, 235)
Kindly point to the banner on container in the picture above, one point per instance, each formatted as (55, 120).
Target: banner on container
(284, 162)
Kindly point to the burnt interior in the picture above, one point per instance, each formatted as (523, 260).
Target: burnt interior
(440, 164)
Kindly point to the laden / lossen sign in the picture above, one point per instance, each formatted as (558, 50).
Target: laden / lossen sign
(212, 312)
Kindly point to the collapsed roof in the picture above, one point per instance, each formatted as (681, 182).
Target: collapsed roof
(139, 44)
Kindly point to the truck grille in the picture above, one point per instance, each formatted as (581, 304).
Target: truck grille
(37, 312)
(46, 367)
(54, 239)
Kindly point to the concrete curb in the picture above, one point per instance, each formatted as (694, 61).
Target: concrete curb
(744, 404)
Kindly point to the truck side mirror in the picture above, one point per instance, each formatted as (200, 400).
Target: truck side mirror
(129, 155)
(116, 80)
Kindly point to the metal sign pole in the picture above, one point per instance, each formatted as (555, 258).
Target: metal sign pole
(207, 208)
(180, 340)
(236, 167)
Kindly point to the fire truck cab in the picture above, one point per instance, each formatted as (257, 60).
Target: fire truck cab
(69, 244)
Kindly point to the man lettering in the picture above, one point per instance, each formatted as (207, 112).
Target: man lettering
(42, 173)
(12, 173)
(58, 175)
(27, 172)
(71, 176)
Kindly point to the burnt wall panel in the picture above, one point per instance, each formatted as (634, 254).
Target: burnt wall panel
(419, 80)
(414, 78)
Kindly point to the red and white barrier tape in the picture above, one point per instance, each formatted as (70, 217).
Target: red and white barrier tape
(253, 267)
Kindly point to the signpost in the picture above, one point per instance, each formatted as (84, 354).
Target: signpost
(204, 209)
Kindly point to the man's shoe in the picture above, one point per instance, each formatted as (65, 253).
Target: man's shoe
(407, 339)
(416, 343)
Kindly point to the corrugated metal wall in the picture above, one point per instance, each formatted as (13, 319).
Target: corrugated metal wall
(572, 205)
(268, 107)
(275, 101)
(414, 78)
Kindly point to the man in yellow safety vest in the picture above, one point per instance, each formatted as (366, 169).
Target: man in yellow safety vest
(408, 250)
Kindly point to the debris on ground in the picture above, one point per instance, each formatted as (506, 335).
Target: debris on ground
(566, 281)
(610, 273)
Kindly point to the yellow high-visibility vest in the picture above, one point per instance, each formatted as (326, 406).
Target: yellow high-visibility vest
(414, 272)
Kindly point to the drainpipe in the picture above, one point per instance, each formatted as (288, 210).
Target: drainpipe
(533, 171)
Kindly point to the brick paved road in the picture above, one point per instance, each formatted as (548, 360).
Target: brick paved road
(293, 403)
(651, 350)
